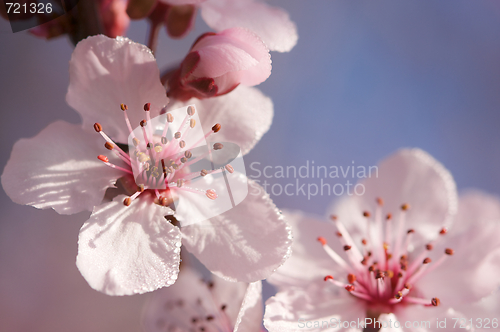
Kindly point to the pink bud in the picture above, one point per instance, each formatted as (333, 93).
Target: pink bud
(218, 63)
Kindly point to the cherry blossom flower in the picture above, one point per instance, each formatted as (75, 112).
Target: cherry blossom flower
(193, 304)
(218, 63)
(391, 253)
(271, 24)
(131, 242)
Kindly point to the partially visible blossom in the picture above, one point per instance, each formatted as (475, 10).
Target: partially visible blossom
(271, 24)
(392, 253)
(218, 63)
(193, 304)
(114, 17)
(131, 243)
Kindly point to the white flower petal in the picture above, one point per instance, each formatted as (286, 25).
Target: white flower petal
(245, 115)
(105, 73)
(316, 308)
(129, 250)
(246, 243)
(271, 24)
(59, 169)
(250, 315)
(409, 176)
(472, 272)
(309, 262)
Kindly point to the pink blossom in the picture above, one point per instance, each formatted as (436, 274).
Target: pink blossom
(271, 24)
(392, 253)
(131, 242)
(193, 304)
(218, 63)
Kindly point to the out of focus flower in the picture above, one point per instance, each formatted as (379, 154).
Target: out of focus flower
(193, 304)
(271, 24)
(218, 63)
(114, 17)
(129, 245)
(391, 255)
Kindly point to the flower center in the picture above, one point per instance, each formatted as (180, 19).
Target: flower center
(381, 272)
(159, 166)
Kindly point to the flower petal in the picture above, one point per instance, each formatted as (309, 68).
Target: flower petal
(59, 169)
(190, 301)
(124, 250)
(472, 272)
(409, 176)
(317, 308)
(251, 311)
(272, 24)
(246, 243)
(105, 73)
(245, 115)
(309, 262)
(176, 307)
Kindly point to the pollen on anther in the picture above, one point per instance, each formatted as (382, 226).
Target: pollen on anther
(339, 234)
(229, 168)
(103, 158)
(411, 231)
(427, 260)
(347, 247)
(333, 217)
(170, 117)
(188, 154)
(328, 277)
(388, 217)
(123, 107)
(147, 107)
(192, 123)
(127, 201)
(449, 251)
(350, 288)
(203, 172)
(443, 231)
(366, 214)
(216, 127)
(351, 278)
(364, 242)
(177, 135)
(97, 127)
(218, 146)
(143, 123)
(109, 146)
(429, 247)
(380, 201)
(435, 302)
(405, 207)
(211, 194)
(322, 240)
(190, 110)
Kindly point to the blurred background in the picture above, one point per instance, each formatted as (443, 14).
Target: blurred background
(365, 79)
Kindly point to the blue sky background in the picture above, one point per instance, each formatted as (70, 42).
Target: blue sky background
(365, 79)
